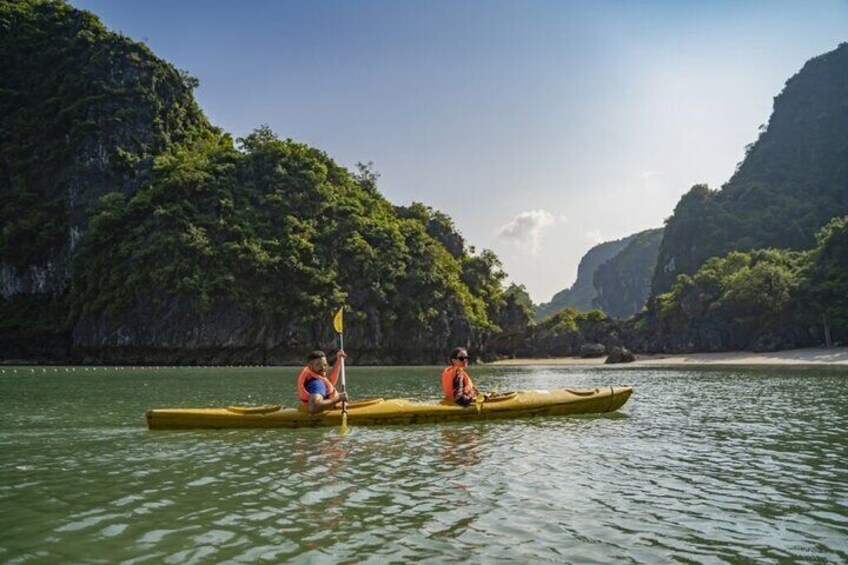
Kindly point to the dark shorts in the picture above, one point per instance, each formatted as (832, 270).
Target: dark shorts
(464, 400)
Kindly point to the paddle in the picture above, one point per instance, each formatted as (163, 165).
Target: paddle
(338, 325)
(481, 398)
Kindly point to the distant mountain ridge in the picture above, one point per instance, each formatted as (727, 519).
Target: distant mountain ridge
(580, 294)
(610, 292)
(623, 283)
(793, 179)
(761, 264)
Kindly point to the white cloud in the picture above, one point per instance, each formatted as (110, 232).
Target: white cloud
(525, 230)
(594, 236)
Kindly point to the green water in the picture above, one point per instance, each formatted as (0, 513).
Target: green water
(699, 466)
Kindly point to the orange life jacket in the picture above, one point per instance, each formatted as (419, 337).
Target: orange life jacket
(308, 374)
(447, 381)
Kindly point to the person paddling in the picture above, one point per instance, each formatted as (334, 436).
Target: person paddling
(315, 389)
(456, 382)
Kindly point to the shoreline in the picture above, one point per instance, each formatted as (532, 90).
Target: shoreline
(810, 356)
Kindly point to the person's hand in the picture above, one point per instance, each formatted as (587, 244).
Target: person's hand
(342, 397)
(341, 354)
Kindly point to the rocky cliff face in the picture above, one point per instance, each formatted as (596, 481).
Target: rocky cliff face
(82, 113)
(623, 283)
(581, 294)
(133, 231)
(181, 333)
(793, 179)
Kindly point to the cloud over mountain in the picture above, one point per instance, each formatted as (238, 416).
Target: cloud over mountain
(525, 229)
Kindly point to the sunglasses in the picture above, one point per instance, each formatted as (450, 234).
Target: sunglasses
(462, 358)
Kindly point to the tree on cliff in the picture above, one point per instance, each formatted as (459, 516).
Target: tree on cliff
(761, 299)
(792, 181)
(282, 234)
(826, 280)
(152, 234)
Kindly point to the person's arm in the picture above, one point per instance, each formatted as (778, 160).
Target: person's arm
(457, 384)
(459, 391)
(317, 402)
(337, 366)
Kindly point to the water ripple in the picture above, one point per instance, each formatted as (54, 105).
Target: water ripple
(700, 467)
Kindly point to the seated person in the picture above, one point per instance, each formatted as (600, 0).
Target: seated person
(456, 382)
(315, 389)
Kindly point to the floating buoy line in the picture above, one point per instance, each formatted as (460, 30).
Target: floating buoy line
(73, 369)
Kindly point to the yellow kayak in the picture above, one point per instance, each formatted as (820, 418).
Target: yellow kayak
(380, 412)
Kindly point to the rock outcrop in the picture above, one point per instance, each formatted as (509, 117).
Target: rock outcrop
(619, 355)
(792, 181)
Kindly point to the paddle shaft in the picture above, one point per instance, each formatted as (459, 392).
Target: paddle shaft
(344, 385)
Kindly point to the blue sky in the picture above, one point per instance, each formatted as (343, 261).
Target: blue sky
(541, 128)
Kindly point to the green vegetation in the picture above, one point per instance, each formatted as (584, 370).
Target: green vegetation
(826, 277)
(514, 319)
(793, 179)
(81, 110)
(130, 225)
(762, 299)
(566, 331)
(517, 298)
(278, 230)
(758, 283)
(159, 229)
(562, 334)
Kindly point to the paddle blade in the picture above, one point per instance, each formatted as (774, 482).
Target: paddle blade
(338, 321)
(344, 423)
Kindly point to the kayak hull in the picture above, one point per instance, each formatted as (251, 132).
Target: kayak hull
(379, 412)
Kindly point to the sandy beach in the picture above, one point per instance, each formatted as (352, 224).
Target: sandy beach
(816, 356)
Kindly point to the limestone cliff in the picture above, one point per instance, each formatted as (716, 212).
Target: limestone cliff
(581, 294)
(131, 230)
(793, 180)
(623, 283)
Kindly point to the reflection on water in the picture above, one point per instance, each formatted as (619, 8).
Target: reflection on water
(737, 466)
(461, 446)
